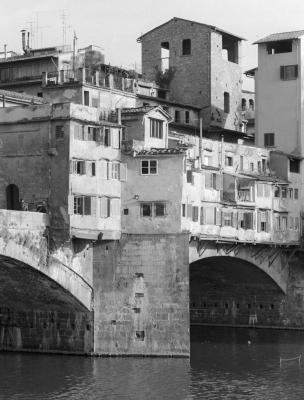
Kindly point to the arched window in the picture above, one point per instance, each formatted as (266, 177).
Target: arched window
(243, 104)
(12, 197)
(251, 104)
(186, 47)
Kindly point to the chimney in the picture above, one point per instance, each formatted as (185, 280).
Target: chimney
(5, 52)
(23, 40)
(28, 42)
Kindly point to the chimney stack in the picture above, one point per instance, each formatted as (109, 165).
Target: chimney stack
(28, 41)
(23, 32)
(5, 52)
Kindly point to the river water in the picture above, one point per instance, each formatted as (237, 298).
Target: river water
(225, 363)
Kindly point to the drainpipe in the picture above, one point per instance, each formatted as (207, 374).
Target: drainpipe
(222, 151)
(200, 145)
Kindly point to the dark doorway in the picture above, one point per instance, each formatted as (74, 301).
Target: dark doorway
(12, 197)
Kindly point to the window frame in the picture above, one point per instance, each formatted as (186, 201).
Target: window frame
(156, 128)
(269, 139)
(148, 167)
(186, 47)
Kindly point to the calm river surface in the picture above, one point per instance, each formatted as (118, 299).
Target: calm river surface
(223, 366)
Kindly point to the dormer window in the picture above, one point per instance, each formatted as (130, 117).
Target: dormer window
(156, 128)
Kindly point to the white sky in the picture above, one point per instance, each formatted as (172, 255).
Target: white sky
(116, 24)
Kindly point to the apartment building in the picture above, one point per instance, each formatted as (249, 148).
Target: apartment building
(63, 159)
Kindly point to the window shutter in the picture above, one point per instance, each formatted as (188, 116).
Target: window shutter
(218, 217)
(104, 169)
(103, 207)
(115, 137)
(109, 174)
(253, 220)
(218, 181)
(259, 222)
(115, 207)
(71, 166)
(268, 216)
(189, 176)
(234, 219)
(202, 216)
(208, 180)
(88, 168)
(109, 207)
(123, 172)
(87, 205)
(85, 133)
(189, 210)
(70, 204)
(93, 206)
(101, 135)
(83, 167)
(282, 72)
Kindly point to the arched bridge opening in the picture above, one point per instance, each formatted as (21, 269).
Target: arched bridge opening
(38, 314)
(230, 291)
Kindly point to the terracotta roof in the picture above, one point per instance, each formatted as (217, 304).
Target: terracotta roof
(158, 152)
(21, 96)
(212, 27)
(265, 178)
(136, 110)
(275, 37)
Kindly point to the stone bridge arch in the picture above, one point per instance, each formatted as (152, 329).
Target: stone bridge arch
(271, 260)
(23, 239)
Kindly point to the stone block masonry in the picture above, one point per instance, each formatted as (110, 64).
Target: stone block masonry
(141, 296)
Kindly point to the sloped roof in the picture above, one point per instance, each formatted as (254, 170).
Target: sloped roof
(159, 151)
(21, 96)
(137, 110)
(275, 37)
(145, 109)
(212, 27)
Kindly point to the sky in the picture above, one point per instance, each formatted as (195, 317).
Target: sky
(115, 25)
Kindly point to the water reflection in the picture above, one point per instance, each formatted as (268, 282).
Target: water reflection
(225, 364)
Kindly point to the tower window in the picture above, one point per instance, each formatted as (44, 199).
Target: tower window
(226, 102)
(165, 56)
(288, 72)
(186, 47)
(269, 139)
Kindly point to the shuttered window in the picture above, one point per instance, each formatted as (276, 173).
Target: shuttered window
(288, 72)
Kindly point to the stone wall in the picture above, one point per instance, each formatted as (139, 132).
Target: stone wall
(141, 296)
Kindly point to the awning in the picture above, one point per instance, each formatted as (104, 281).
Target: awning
(85, 234)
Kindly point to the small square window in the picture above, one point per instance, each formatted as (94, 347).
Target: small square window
(294, 166)
(228, 161)
(59, 132)
(149, 167)
(160, 209)
(268, 139)
(146, 209)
